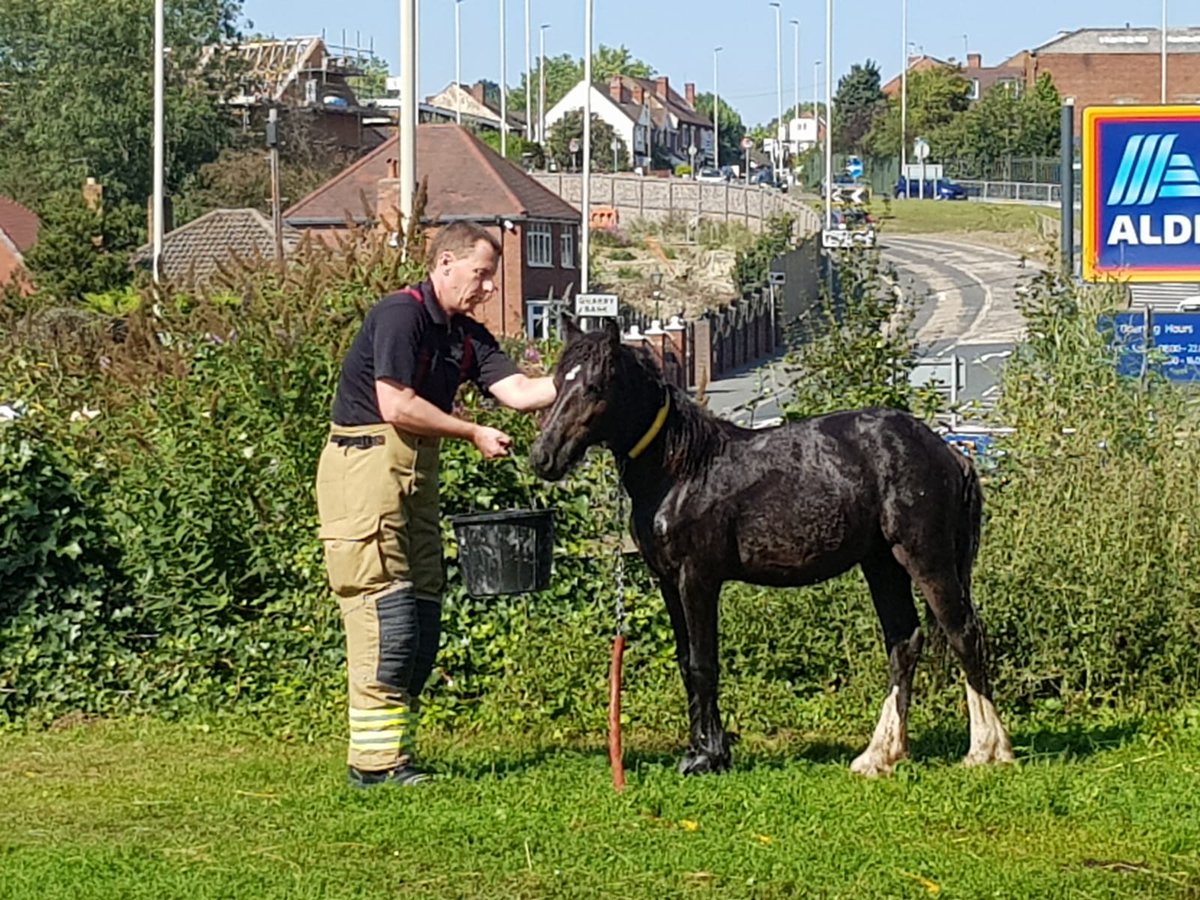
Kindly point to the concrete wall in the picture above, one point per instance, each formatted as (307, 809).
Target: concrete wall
(655, 199)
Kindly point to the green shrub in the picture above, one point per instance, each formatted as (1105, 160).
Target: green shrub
(621, 256)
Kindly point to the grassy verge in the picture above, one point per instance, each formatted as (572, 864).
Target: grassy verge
(934, 216)
(136, 810)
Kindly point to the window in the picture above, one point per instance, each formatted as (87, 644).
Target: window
(539, 244)
(568, 247)
(974, 92)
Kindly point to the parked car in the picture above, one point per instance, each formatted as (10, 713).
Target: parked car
(840, 181)
(709, 173)
(930, 189)
(851, 228)
(766, 177)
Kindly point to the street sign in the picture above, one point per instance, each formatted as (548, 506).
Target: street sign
(777, 278)
(1174, 338)
(573, 145)
(854, 167)
(846, 193)
(1141, 193)
(598, 305)
(921, 149)
(947, 374)
(747, 143)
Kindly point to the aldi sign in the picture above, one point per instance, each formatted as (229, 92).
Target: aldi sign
(1141, 193)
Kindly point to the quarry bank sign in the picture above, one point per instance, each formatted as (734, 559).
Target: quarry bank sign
(1141, 193)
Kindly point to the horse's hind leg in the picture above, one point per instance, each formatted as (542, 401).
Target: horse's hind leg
(956, 615)
(891, 591)
(709, 751)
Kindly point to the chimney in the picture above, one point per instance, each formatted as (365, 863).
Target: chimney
(662, 85)
(93, 196)
(387, 198)
(479, 92)
(639, 93)
(616, 88)
(689, 91)
(974, 60)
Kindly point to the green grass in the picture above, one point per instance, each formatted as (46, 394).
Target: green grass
(934, 216)
(132, 810)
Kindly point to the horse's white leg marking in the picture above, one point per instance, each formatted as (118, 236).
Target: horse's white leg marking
(989, 740)
(889, 744)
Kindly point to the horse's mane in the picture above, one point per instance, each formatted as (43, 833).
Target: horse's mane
(693, 435)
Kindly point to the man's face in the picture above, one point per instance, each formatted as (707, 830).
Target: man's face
(468, 280)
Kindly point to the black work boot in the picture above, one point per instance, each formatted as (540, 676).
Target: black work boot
(406, 775)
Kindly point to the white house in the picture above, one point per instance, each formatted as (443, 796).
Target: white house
(622, 107)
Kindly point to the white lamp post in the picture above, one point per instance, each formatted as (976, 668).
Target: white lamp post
(542, 83)
(458, 62)
(778, 86)
(716, 110)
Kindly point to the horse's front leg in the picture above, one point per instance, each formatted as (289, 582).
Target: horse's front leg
(683, 654)
(709, 751)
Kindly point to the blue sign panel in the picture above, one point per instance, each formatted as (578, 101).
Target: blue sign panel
(1174, 343)
(1141, 193)
(854, 167)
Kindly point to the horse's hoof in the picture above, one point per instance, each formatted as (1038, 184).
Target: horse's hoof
(990, 756)
(694, 763)
(870, 764)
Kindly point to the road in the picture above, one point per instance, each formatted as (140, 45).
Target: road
(965, 296)
(965, 299)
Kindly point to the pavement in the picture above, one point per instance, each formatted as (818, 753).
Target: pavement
(965, 300)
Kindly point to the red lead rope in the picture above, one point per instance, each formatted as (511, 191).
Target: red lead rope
(614, 714)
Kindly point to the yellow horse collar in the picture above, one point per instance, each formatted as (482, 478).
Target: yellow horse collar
(656, 426)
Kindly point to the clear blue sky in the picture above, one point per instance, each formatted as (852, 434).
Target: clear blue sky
(677, 38)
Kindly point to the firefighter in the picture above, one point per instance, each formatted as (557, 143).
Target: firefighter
(377, 485)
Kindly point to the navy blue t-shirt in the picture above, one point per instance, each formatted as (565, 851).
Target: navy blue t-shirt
(406, 337)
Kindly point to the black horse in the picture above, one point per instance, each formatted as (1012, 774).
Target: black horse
(785, 506)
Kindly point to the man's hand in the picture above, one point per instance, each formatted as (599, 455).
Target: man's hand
(491, 442)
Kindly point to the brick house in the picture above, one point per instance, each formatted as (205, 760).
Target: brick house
(466, 180)
(18, 232)
(981, 78)
(1116, 66)
(305, 77)
(622, 106)
(677, 125)
(195, 253)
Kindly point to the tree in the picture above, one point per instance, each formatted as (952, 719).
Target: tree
(731, 125)
(520, 151)
(373, 81)
(79, 93)
(558, 143)
(857, 103)
(81, 250)
(936, 98)
(565, 71)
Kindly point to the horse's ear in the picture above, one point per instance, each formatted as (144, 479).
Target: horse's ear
(571, 331)
(612, 330)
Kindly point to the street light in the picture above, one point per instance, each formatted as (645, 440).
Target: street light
(656, 280)
(716, 110)
(458, 61)
(586, 204)
(159, 139)
(1163, 64)
(528, 80)
(503, 86)
(542, 83)
(778, 85)
(829, 113)
(816, 105)
(616, 146)
(904, 90)
(796, 67)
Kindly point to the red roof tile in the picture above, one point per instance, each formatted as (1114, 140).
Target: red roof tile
(467, 179)
(20, 224)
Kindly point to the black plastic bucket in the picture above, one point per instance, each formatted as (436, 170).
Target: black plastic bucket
(507, 552)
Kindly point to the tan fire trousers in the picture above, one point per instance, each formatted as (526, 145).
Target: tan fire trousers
(377, 497)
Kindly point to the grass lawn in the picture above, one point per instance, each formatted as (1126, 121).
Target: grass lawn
(934, 216)
(133, 810)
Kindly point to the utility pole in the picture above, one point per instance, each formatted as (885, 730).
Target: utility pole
(407, 125)
(829, 113)
(796, 69)
(276, 200)
(159, 139)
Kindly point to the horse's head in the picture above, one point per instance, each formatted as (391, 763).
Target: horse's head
(587, 410)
